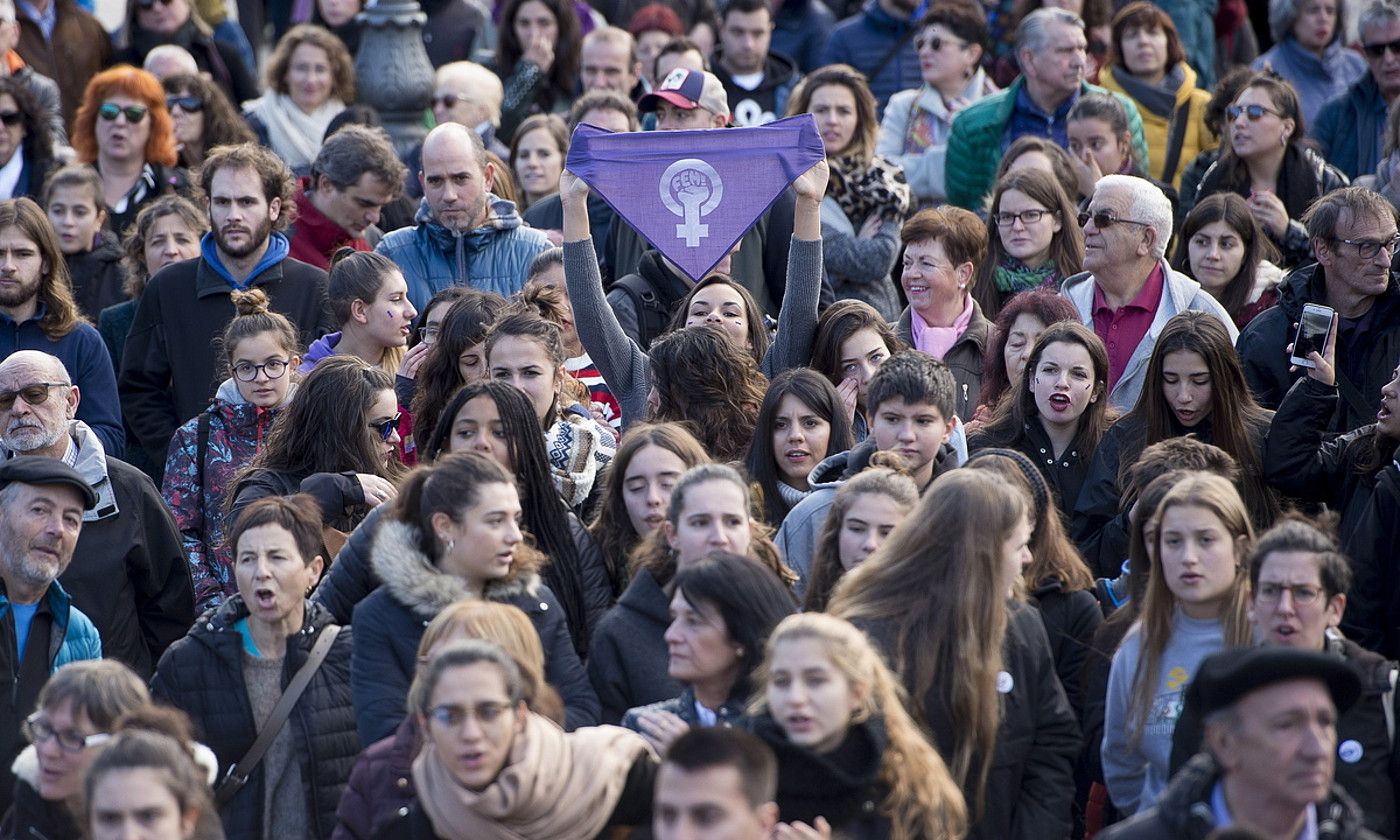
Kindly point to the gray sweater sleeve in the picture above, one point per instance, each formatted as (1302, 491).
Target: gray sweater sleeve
(624, 366)
(797, 321)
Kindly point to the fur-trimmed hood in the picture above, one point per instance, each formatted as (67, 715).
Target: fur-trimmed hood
(415, 582)
(26, 765)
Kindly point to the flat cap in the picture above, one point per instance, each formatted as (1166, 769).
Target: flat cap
(1224, 678)
(36, 469)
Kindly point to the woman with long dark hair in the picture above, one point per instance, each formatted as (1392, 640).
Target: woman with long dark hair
(457, 356)
(537, 58)
(852, 341)
(700, 377)
(1222, 246)
(1033, 239)
(203, 117)
(800, 424)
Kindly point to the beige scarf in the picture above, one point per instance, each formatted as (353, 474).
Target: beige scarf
(556, 786)
(291, 132)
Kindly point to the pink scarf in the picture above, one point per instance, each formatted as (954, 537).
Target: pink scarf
(937, 341)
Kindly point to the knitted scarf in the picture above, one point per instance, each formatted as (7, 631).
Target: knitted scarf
(291, 132)
(864, 188)
(576, 453)
(1013, 276)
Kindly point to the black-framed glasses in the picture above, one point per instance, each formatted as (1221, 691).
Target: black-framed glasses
(187, 103)
(36, 394)
(1303, 593)
(1027, 217)
(1368, 248)
(1378, 50)
(110, 111)
(386, 428)
(1103, 220)
(247, 371)
(452, 716)
(1253, 112)
(936, 42)
(11, 118)
(428, 335)
(38, 730)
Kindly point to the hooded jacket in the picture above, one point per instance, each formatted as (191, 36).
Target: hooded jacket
(1184, 812)
(198, 476)
(1349, 128)
(128, 573)
(391, 623)
(1179, 294)
(380, 784)
(1317, 80)
(202, 675)
(768, 101)
(97, 275)
(627, 660)
(492, 258)
(1262, 352)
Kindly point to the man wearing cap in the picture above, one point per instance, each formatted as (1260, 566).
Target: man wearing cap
(42, 501)
(1270, 739)
(129, 573)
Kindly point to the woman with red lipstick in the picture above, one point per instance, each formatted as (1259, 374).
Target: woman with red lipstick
(1200, 391)
(1196, 604)
(835, 718)
(1033, 239)
(1222, 247)
(800, 423)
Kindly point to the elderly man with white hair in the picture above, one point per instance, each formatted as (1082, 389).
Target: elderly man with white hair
(169, 60)
(1128, 292)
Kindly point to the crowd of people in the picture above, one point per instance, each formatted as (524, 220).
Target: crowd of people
(1026, 469)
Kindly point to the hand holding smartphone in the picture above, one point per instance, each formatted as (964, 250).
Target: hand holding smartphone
(1314, 329)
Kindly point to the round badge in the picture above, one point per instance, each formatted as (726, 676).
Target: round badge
(1350, 751)
(1004, 682)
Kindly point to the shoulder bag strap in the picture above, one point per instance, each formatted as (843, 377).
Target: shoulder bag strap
(238, 773)
(1175, 140)
(1351, 396)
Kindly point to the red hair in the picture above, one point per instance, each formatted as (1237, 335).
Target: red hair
(125, 80)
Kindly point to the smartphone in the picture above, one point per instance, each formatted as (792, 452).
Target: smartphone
(1314, 328)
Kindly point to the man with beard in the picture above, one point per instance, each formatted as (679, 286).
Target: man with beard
(42, 502)
(466, 235)
(130, 575)
(168, 368)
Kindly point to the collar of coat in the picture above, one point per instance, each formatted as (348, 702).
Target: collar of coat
(414, 581)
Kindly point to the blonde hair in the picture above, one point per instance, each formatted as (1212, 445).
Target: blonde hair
(923, 799)
(1154, 626)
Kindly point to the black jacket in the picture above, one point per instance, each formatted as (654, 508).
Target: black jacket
(168, 366)
(627, 661)
(392, 620)
(32, 817)
(646, 300)
(1070, 620)
(202, 675)
(340, 496)
(1372, 362)
(1373, 611)
(1065, 474)
(843, 785)
(1031, 785)
(1184, 811)
(97, 276)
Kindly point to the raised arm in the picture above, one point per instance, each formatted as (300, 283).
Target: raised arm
(797, 320)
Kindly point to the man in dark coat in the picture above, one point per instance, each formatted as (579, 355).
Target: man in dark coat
(129, 573)
(168, 370)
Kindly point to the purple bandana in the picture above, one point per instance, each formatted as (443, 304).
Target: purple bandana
(693, 194)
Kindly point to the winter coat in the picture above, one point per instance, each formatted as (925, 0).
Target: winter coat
(1368, 763)
(46, 96)
(86, 360)
(765, 103)
(1349, 128)
(97, 275)
(1179, 294)
(914, 133)
(842, 785)
(128, 573)
(1373, 611)
(1070, 620)
(1184, 812)
(800, 30)
(391, 623)
(1266, 367)
(79, 49)
(977, 140)
(202, 675)
(492, 258)
(218, 61)
(1030, 785)
(206, 454)
(1190, 104)
(33, 817)
(315, 238)
(627, 660)
(340, 496)
(168, 371)
(380, 784)
(863, 39)
(964, 358)
(1317, 80)
(1195, 24)
(1066, 474)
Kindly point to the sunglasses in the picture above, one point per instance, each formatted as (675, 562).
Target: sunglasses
(134, 113)
(1253, 112)
(449, 100)
(385, 428)
(186, 103)
(36, 394)
(1103, 220)
(936, 43)
(146, 4)
(1378, 50)
(11, 118)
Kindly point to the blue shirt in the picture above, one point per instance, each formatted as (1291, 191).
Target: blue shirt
(24, 617)
(1028, 118)
(46, 20)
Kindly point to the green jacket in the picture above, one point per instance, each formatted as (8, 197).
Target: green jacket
(974, 146)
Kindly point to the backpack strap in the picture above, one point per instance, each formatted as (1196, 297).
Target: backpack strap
(652, 312)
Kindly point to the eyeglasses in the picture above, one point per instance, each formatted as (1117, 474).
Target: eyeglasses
(428, 335)
(1303, 594)
(38, 731)
(449, 100)
(110, 111)
(452, 716)
(36, 394)
(11, 118)
(1103, 220)
(386, 428)
(186, 103)
(936, 42)
(1254, 112)
(1378, 50)
(247, 371)
(1368, 248)
(1027, 217)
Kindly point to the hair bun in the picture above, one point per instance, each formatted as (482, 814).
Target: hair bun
(888, 459)
(250, 302)
(341, 253)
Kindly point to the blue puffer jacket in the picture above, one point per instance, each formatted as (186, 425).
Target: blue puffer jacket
(492, 258)
(862, 40)
(75, 637)
(1348, 129)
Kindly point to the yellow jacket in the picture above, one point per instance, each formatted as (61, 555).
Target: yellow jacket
(1155, 129)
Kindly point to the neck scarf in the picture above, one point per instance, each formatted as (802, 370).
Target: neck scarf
(576, 452)
(1160, 99)
(1014, 276)
(937, 341)
(554, 786)
(866, 188)
(291, 132)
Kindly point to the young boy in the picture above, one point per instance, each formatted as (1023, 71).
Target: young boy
(910, 411)
(73, 202)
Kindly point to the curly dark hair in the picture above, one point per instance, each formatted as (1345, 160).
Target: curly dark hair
(563, 76)
(222, 124)
(707, 381)
(277, 180)
(38, 135)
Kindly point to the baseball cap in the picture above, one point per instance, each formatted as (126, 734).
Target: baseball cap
(1224, 678)
(38, 469)
(688, 89)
